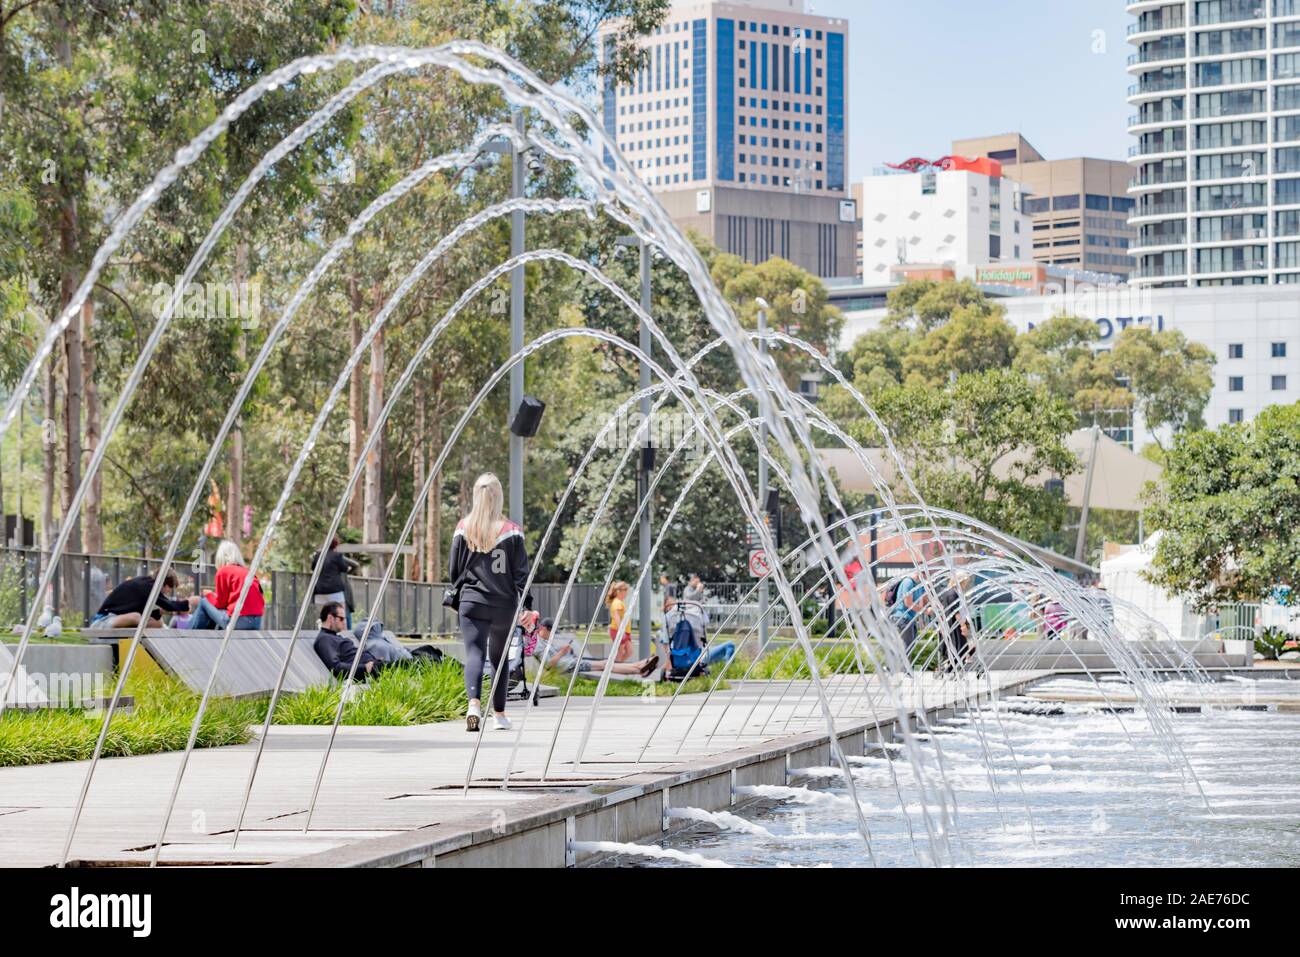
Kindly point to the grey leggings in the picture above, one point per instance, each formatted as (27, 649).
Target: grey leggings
(485, 630)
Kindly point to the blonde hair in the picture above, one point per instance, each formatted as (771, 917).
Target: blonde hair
(612, 594)
(228, 553)
(483, 523)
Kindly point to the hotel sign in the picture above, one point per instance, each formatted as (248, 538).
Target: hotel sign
(1004, 276)
(1107, 327)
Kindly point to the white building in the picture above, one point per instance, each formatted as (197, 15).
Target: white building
(1254, 334)
(956, 217)
(1216, 166)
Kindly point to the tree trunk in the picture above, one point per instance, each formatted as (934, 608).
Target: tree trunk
(69, 249)
(93, 532)
(356, 403)
(235, 498)
(415, 563)
(72, 384)
(374, 493)
(433, 507)
(49, 454)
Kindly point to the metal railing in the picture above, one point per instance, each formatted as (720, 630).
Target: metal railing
(83, 581)
(409, 607)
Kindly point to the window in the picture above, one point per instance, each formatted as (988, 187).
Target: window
(1232, 103)
(1093, 201)
(1236, 383)
(1235, 350)
(1037, 204)
(1231, 259)
(1279, 350)
(1065, 202)
(1231, 71)
(1287, 255)
(1279, 383)
(1231, 165)
(1235, 416)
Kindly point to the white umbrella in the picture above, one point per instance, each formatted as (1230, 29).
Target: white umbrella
(1119, 474)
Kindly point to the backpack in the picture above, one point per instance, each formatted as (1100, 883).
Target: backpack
(683, 648)
(891, 593)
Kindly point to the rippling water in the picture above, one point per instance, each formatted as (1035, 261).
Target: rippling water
(1097, 796)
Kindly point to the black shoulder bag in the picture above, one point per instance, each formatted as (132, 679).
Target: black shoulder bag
(452, 597)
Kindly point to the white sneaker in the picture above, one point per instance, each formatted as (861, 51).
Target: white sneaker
(500, 722)
(472, 717)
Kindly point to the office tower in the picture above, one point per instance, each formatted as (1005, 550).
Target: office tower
(738, 123)
(1080, 206)
(1216, 166)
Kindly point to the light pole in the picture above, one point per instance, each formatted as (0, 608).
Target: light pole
(516, 325)
(521, 162)
(762, 478)
(645, 463)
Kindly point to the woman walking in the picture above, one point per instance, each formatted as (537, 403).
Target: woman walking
(489, 568)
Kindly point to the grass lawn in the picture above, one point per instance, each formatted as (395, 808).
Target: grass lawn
(586, 687)
(161, 721)
(164, 710)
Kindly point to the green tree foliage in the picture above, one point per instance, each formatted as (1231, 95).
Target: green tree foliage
(708, 536)
(1229, 507)
(935, 332)
(925, 303)
(1169, 377)
(797, 299)
(974, 339)
(982, 446)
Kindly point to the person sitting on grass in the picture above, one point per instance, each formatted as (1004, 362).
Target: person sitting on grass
(124, 605)
(562, 656)
(337, 650)
(675, 613)
(217, 608)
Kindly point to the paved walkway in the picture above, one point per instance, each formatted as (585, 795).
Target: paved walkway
(380, 781)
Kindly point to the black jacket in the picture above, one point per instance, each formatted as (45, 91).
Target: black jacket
(336, 650)
(494, 578)
(332, 576)
(131, 595)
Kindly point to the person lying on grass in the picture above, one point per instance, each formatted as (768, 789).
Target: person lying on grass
(563, 658)
(337, 650)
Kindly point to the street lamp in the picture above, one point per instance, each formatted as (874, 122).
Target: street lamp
(518, 159)
(646, 462)
(763, 307)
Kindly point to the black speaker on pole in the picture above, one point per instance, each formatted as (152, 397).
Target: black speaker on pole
(647, 458)
(528, 417)
(773, 503)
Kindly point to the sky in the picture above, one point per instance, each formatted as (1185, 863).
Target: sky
(925, 72)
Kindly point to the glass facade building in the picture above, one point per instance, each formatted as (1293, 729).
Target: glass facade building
(1216, 165)
(747, 96)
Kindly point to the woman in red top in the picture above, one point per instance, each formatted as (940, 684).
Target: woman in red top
(216, 610)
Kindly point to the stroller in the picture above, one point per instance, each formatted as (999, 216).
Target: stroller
(684, 648)
(516, 676)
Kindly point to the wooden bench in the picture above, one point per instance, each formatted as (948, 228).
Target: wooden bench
(250, 667)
